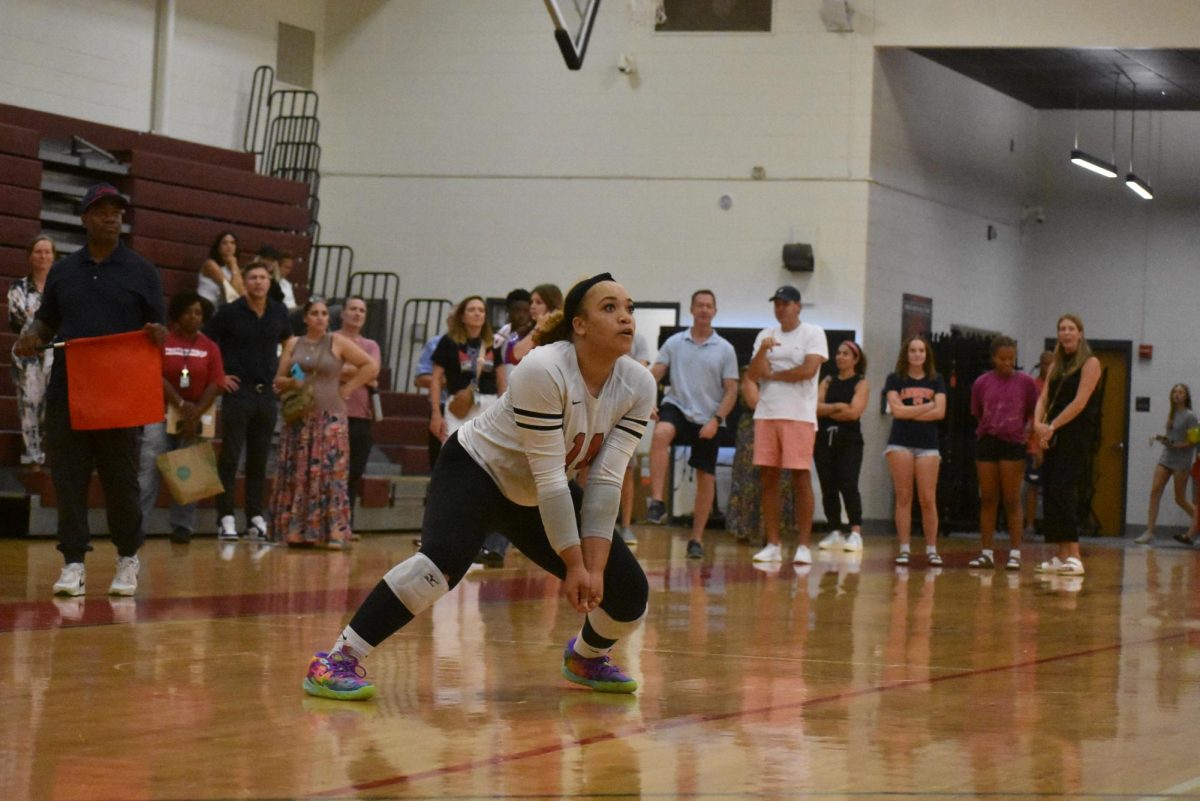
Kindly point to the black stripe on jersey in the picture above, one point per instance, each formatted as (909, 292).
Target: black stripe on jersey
(630, 432)
(540, 428)
(541, 415)
(635, 420)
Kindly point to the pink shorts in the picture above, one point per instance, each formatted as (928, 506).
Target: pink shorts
(787, 444)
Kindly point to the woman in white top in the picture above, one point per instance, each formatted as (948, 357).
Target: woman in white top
(220, 276)
(573, 403)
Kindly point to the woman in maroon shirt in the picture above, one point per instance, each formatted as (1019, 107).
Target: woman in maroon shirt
(192, 378)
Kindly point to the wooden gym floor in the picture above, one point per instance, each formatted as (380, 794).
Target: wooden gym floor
(849, 681)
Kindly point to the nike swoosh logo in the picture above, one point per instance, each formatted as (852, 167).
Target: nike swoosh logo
(576, 403)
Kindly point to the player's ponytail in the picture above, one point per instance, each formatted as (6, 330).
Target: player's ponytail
(553, 327)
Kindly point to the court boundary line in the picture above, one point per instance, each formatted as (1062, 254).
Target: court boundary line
(689, 720)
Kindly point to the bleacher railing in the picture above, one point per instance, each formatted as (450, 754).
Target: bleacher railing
(421, 320)
(382, 294)
(329, 270)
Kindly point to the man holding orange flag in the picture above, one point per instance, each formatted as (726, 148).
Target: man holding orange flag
(103, 288)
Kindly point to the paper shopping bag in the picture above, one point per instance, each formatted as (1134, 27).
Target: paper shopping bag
(191, 473)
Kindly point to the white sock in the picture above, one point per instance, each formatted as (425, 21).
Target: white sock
(930, 549)
(587, 651)
(904, 548)
(988, 553)
(258, 522)
(350, 643)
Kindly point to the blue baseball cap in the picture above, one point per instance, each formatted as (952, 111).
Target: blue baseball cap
(786, 292)
(102, 191)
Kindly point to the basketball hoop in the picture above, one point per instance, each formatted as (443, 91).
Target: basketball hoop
(649, 13)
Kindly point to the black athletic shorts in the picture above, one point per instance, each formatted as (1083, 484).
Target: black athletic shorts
(993, 449)
(704, 451)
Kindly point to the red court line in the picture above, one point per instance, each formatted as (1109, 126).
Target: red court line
(689, 720)
(102, 611)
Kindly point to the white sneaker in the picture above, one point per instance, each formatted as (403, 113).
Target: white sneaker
(72, 580)
(1073, 566)
(771, 553)
(833, 542)
(257, 531)
(1049, 567)
(853, 542)
(227, 530)
(803, 556)
(1146, 538)
(125, 582)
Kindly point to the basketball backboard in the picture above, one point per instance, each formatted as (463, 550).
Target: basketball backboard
(573, 27)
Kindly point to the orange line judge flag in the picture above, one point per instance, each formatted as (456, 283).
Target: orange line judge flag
(114, 381)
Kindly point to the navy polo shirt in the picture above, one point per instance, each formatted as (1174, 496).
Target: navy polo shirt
(86, 298)
(250, 343)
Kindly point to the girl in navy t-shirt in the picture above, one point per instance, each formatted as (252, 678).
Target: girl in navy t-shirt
(916, 397)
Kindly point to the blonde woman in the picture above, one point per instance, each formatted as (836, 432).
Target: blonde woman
(465, 365)
(1176, 459)
(1068, 411)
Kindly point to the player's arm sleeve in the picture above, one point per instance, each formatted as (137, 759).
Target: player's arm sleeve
(537, 399)
(602, 497)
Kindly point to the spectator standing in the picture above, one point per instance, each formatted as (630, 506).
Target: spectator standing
(193, 377)
(1003, 401)
(786, 362)
(102, 288)
(465, 364)
(1068, 414)
(916, 398)
(544, 300)
(1175, 461)
(310, 504)
(283, 271)
(423, 379)
(31, 373)
(519, 325)
(359, 411)
(220, 279)
(704, 386)
(249, 332)
(841, 400)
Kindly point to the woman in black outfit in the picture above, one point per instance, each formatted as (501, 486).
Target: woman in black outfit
(841, 401)
(1067, 415)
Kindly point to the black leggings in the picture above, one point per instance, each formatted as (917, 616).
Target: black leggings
(838, 465)
(1063, 473)
(464, 505)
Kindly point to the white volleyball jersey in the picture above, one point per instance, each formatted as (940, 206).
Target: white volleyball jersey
(547, 426)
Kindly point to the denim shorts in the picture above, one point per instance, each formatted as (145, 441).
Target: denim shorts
(918, 453)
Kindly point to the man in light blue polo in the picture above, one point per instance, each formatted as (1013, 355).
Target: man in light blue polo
(703, 389)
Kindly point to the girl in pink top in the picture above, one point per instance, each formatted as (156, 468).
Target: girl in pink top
(1003, 400)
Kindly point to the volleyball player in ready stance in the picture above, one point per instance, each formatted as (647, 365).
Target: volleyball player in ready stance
(572, 403)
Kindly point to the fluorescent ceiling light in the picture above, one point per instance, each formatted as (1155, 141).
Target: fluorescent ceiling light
(1139, 187)
(1098, 166)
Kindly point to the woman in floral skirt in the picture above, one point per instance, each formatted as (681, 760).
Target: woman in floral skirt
(310, 503)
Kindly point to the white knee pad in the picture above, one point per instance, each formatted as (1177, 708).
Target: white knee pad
(611, 629)
(417, 582)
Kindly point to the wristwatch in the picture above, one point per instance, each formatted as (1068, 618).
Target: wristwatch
(720, 420)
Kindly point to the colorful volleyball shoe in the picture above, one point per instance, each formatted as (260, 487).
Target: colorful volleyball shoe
(337, 676)
(600, 674)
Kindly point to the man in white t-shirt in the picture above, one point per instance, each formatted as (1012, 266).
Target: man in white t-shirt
(786, 364)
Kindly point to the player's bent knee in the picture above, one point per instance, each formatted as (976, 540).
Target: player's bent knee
(417, 582)
(611, 629)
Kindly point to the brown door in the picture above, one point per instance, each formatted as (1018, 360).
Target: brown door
(1112, 458)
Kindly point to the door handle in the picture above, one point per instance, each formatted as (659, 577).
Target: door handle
(1119, 446)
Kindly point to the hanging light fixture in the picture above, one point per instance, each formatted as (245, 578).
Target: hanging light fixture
(1135, 184)
(1088, 161)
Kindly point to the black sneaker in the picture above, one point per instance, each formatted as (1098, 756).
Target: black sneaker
(695, 550)
(656, 512)
(181, 535)
(489, 558)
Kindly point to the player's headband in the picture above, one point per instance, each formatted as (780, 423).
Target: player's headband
(575, 296)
